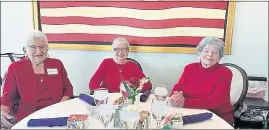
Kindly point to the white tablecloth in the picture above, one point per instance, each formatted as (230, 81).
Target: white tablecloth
(77, 106)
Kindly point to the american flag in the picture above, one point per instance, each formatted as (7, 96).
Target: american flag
(169, 24)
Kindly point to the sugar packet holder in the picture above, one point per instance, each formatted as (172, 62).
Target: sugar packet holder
(144, 120)
(78, 121)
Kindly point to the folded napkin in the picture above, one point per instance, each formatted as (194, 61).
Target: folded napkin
(144, 97)
(59, 121)
(87, 98)
(196, 118)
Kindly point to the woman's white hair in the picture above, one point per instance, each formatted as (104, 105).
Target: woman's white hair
(36, 34)
(211, 40)
(120, 40)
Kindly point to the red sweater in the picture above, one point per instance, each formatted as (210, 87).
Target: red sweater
(108, 73)
(207, 88)
(24, 86)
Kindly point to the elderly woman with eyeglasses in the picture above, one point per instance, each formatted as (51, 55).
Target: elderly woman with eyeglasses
(34, 82)
(206, 84)
(108, 73)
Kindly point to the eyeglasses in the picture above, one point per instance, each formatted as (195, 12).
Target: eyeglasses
(212, 52)
(34, 47)
(123, 50)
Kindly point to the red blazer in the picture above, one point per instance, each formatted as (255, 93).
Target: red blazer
(21, 85)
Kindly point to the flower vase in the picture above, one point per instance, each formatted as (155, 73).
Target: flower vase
(131, 100)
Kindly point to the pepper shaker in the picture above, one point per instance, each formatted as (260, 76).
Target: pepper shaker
(117, 118)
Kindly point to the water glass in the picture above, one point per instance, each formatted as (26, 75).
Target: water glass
(159, 110)
(160, 92)
(100, 96)
(106, 113)
(129, 118)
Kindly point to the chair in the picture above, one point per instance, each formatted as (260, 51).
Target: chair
(255, 117)
(11, 57)
(133, 60)
(239, 88)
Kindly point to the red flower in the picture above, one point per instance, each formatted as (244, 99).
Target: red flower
(135, 82)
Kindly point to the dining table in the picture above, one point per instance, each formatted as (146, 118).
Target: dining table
(78, 106)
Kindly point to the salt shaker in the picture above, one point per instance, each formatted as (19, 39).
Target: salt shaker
(117, 118)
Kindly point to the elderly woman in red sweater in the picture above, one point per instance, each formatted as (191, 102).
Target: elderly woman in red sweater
(108, 73)
(34, 82)
(206, 84)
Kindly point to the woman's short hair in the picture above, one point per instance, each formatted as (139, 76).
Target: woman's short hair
(36, 34)
(211, 40)
(120, 40)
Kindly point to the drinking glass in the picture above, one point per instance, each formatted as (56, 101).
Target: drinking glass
(106, 113)
(159, 110)
(160, 92)
(129, 118)
(100, 96)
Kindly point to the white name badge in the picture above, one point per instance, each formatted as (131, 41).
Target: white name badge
(52, 71)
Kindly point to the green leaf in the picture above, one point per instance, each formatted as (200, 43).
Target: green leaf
(166, 128)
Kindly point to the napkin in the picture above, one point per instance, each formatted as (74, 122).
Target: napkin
(87, 98)
(58, 121)
(188, 119)
(144, 97)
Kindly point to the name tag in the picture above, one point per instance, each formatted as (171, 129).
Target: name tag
(52, 71)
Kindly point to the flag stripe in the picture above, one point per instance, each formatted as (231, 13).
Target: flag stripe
(156, 5)
(170, 23)
(110, 12)
(131, 31)
(132, 39)
(141, 23)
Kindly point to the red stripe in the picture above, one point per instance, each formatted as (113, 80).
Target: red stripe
(137, 4)
(170, 23)
(132, 39)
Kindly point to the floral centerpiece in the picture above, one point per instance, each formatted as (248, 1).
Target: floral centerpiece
(134, 86)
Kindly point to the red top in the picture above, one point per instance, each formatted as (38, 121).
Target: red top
(43, 95)
(207, 88)
(109, 74)
(24, 86)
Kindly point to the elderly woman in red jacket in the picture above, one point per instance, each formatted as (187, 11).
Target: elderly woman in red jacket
(34, 82)
(108, 73)
(206, 84)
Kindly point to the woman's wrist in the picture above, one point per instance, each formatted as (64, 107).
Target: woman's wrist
(5, 109)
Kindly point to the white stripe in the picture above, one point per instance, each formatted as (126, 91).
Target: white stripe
(125, 30)
(104, 12)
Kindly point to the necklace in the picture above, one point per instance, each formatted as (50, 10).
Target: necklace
(120, 70)
(41, 79)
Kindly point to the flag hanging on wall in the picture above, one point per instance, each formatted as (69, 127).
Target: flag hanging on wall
(148, 26)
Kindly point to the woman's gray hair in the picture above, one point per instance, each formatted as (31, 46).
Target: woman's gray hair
(211, 40)
(120, 40)
(36, 34)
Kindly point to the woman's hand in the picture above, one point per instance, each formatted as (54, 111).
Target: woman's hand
(7, 120)
(65, 98)
(177, 99)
